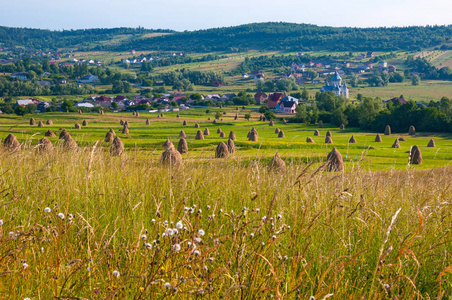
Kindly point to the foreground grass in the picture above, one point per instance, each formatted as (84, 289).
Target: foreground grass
(246, 232)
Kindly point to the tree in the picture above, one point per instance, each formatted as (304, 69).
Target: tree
(217, 115)
(247, 116)
(67, 105)
(354, 81)
(269, 115)
(114, 106)
(305, 94)
(415, 80)
(20, 110)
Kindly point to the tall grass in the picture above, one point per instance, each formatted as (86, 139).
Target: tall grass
(354, 235)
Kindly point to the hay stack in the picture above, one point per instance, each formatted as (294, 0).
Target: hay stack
(412, 131)
(222, 134)
(199, 135)
(182, 134)
(352, 140)
(177, 116)
(134, 113)
(342, 127)
(171, 158)
(402, 139)
(388, 130)
(231, 146)
(396, 144)
(117, 147)
(378, 138)
(184, 123)
(125, 130)
(49, 122)
(208, 119)
(101, 112)
(232, 135)
(138, 114)
(328, 140)
(271, 123)
(158, 116)
(309, 140)
(281, 134)
(148, 122)
(214, 122)
(11, 143)
(196, 125)
(253, 136)
(85, 123)
(69, 143)
(237, 108)
(415, 155)
(277, 130)
(261, 117)
(236, 117)
(44, 146)
(63, 134)
(328, 133)
(320, 124)
(121, 122)
(335, 162)
(182, 147)
(206, 131)
(167, 144)
(79, 111)
(284, 121)
(219, 130)
(161, 115)
(40, 124)
(78, 126)
(431, 144)
(32, 122)
(50, 133)
(316, 133)
(112, 131)
(222, 151)
(109, 137)
(126, 123)
(277, 164)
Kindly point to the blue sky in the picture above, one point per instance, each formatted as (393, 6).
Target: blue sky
(201, 14)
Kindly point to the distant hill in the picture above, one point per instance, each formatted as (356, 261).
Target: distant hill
(295, 37)
(41, 39)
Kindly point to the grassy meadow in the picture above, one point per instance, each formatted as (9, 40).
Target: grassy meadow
(81, 224)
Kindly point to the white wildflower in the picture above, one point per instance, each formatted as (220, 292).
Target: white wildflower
(24, 266)
(167, 285)
(115, 273)
(179, 225)
(169, 232)
(47, 210)
(144, 237)
(1, 222)
(201, 232)
(147, 246)
(176, 247)
(61, 216)
(196, 252)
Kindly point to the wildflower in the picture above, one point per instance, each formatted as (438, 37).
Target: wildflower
(175, 231)
(115, 273)
(263, 244)
(88, 269)
(24, 266)
(274, 237)
(70, 217)
(279, 217)
(264, 218)
(153, 220)
(144, 237)
(179, 225)
(386, 286)
(169, 232)
(175, 290)
(26, 298)
(167, 285)
(208, 206)
(198, 240)
(176, 247)
(199, 211)
(196, 252)
(251, 235)
(147, 246)
(1, 222)
(61, 216)
(42, 249)
(47, 210)
(201, 232)
(182, 280)
(257, 210)
(221, 210)
(12, 235)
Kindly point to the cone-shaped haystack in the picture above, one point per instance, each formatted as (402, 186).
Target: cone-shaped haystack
(402, 139)
(178, 116)
(222, 134)
(171, 158)
(281, 134)
(415, 155)
(138, 114)
(182, 134)
(121, 122)
(69, 143)
(85, 123)
(412, 130)
(316, 133)
(184, 123)
(253, 136)
(431, 144)
(40, 124)
(231, 146)
(79, 111)
(167, 144)
(63, 134)
(109, 137)
(77, 126)
(219, 130)
(148, 122)
(396, 144)
(196, 125)
(11, 143)
(335, 162)
(112, 131)
(261, 117)
(32, 122)
(328, 140)
(126, 123)
(320, 124)
(232, 135)
(49, 133)
(199, 135)
(206, 131)
(102, 112)
(49, 122)
(277, 164)
(208, 119)
(183, 146)
(117, 147)
(222, 151)
(284, 121)
(44, 146)
(277, 130)
(388, 130)
(214, 122)
(134, 113)
(309, 140)
(271, 123)
(236, 117)
(352, 140)
(342, 127)
(378, 138)
(237, 108)
(328, 133)
(125, 130)
(161, 115)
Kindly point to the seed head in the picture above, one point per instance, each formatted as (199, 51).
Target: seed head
(47, 210)
(61, 216)
(115, 273)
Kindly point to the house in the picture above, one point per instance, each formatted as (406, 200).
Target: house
(44, 83)
(392, 69)
(20, 75)
(25, 102)
(301, 53)
(369, 65)
(227, 97)
(393, 100)
(84, 104)
(120, 98)
(310, 64)
(103, 101)
(335, 85)
(43, 106)
(274, 99)
(87, 79)
(289, 99)
(361, 56)
(260, 98)
(288, 107)
(318, 65)
(245, 76)
(258, 77)
(383, 64)
(216, 83)
(370, 54)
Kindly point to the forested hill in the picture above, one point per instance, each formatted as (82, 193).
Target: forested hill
(290, 36)
(41, 39)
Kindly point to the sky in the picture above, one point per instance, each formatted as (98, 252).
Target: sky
(202, 14)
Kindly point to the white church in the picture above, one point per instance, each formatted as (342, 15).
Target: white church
(335, 85)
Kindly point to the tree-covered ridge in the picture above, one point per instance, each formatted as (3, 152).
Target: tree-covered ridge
(41, 39)
(290, 36)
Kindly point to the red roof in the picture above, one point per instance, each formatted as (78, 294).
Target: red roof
(273, 99)
(120, 98)
(103, 98)
(398, 98)
(259, 95)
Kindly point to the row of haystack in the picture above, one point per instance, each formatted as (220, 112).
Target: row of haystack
(411, 130)
(40, 123)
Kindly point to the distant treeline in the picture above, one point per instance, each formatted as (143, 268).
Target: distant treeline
(45, 40)
(427, 70)
(176, 60)
(294, 37)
